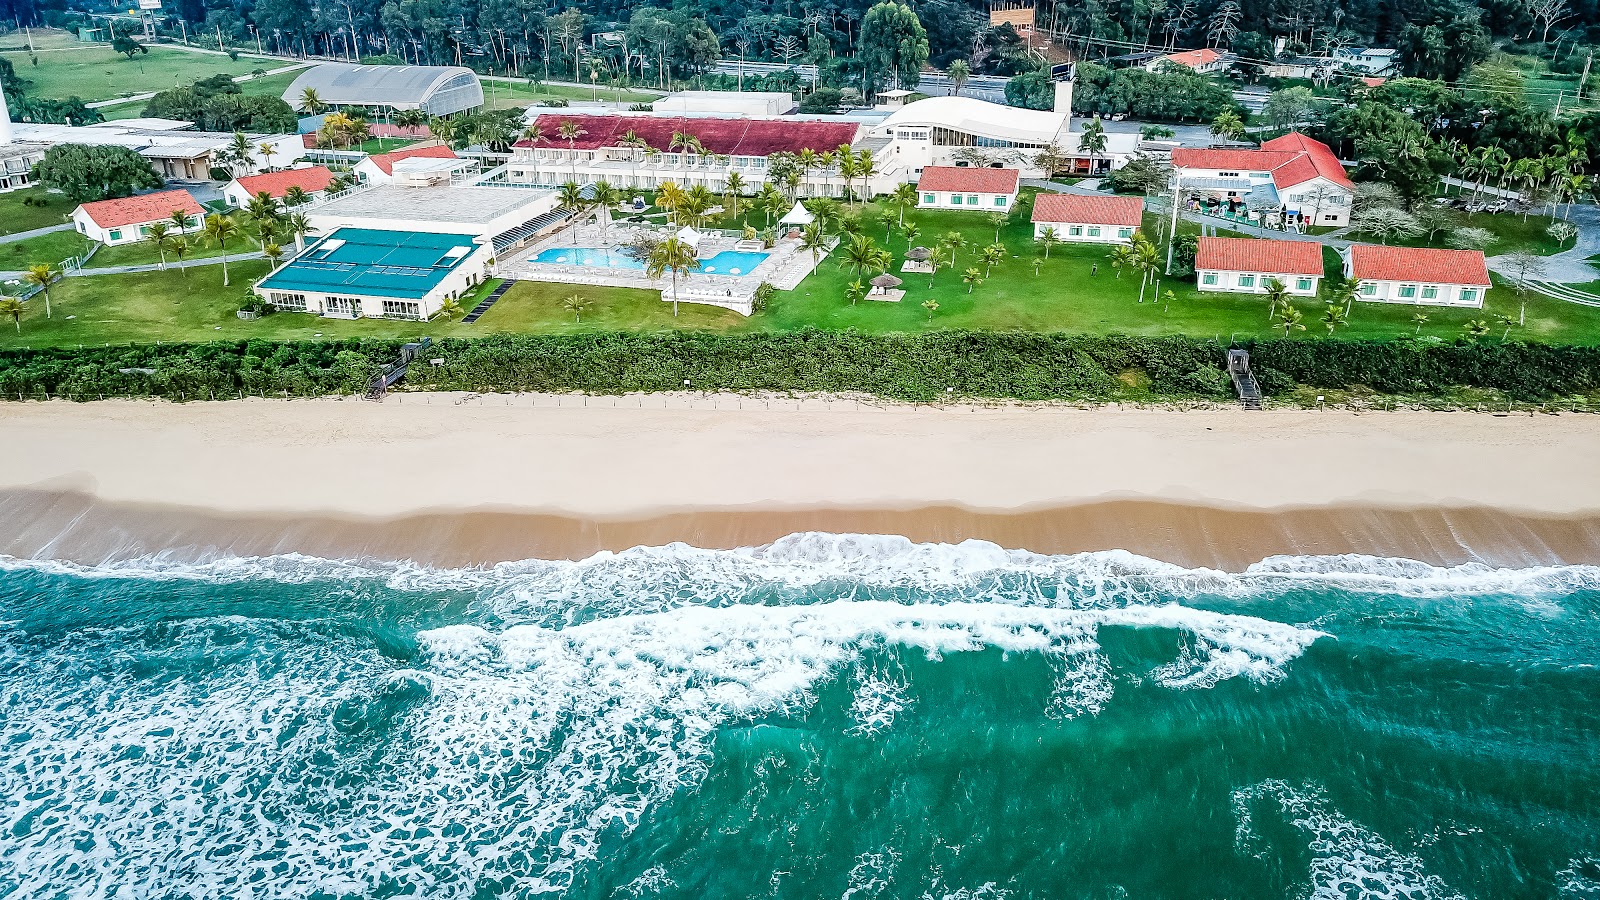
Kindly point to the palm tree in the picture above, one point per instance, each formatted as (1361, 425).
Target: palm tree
(860, 252)
(181, 246)
(958, 73)
(953, 241)
(1146, 259)
(412, 119)
(731, 189)
(604, 196)
(575, 304)
(845, 158)
(310, 103)
(866, 167)
(11, 306)
(932, 306)
(1333, 317)
(43, 275)
(570, 131)
(1289, 319)
(903, 198)
(813, 238)
(263, 207)
(299, 225)
(675, 256)
(240, 153)
(998, 221)
(273, 253)
(1037, 262)
(449, 309)
(1093, 141)
(912, 232)
(295, 195)
(808, 159)
(668, 197)
(1049, 238)
(971, 278)
(696, 206)
(570, 195)
(992, 255)
(1419, 319)
(180, 221)
(156, 234)
(1507, 322)
(855, 290)
(1346, 295)
(629, 139)
(1476, 328)
(218, 229)
(1277, 295)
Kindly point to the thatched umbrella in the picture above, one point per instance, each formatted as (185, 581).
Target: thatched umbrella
(884, 282)
(919, 254)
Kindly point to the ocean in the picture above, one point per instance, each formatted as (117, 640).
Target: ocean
(829, 716)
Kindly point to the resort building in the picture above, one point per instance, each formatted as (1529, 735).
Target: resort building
(1077, 218)
(501, 217)
(313, 180)
(128, 219)
(380, 168)
(174, 151)
(1292, 180)
(1417, 275)
(963, 132)
(17, 158)
(354, 273)
(1245, 265)
(726, 103)
(980, 190)
(436, 90)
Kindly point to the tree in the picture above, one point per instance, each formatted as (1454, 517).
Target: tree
(1334, 316)
(932, 306)
(1227, 126)
(675, 256)
(971, 278)
(1432, 219)
(1475, 329)
(1290, 319)
(43, 275)
(992, 255)
(11, 306)
(1277, 295)
(998, 221)
(569, 131)
(1386, 223)
(860, 252)
(1524, 269)
(604, 196)
(1470, 238)
(127, 46)
(449, 308)
(88, 173)
(1093, 140)
(156, 234)
(731, 190)
(893, 44)
(575, 304)
(311, 103)
(1507, 323)
(180, 247)
(903, 197)
(1419, 319)
(298, 225)
(1562, 231)
(239, 154)
(273, 253)
(1049, 238)
(958, 72)
(1289, 107)
(1141, 174)
(219, 228)
(814, 239)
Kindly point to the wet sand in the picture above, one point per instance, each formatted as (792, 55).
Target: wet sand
(443, 481)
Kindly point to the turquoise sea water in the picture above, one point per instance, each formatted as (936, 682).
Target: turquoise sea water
(828, 717)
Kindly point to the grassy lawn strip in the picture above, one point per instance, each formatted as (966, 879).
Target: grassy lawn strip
(143, 254)
(15, 217)
(48, 249)
(1512, 233)
(505, 94)
(97, 73)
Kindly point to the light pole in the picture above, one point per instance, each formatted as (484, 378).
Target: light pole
(1172, 228)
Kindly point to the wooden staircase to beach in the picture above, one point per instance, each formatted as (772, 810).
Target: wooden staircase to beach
(391, 374)
(1244, 383)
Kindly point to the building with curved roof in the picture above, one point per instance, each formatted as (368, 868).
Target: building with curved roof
(963, 131)
(436, 90)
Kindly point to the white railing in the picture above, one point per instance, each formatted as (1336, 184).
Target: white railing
(743, 304)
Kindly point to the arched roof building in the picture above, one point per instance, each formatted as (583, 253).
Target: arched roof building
(963, 121)
(436, 90)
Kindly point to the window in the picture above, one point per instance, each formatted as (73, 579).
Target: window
(1124, 232)
(1247, 281)
(116, 234)
(1368, 289)
(928, 198)
(1469, 295)
(289, 301)
(1075, 231)
(1227, 174)
(1302, 284)
(400, 309)
(955, 199)
(972, 199)
(1430, 293)
(1407, 291)
(999, 201)
(1094, 231)
(1208, 278)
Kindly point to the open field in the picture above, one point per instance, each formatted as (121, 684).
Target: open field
(499, 94)
(49, 248)
(265, 85)
(17, 216)
(38, 39)
(96, 73)
(1513, 233)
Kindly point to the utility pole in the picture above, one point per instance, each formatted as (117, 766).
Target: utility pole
(1559, 94)
(1583, 80)
(1172, 229)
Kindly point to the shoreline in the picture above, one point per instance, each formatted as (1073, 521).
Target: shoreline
(443, 482)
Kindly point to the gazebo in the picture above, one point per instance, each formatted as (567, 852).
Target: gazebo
(796, 219)
(886, 287)
(689, 236)
(917, 260)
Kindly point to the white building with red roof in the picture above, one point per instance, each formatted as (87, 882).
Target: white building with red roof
(1419, 275)
(969, 188)
(429, 164)
(1293, 177)
(313, 180)
(1246, 265)
(1205, 61)
(126, 220)
(1078, 218)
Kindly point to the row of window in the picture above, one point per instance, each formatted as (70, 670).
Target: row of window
(289, 301)
(1411, 291)
(115, 234)
(1094, 231)
(1213, 279)
(956, 199)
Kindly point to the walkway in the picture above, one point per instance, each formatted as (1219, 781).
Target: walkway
(151, 267)
(37, 232)
(1570, 266)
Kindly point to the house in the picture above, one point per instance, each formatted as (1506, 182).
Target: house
(1293, 178)
(1376, 61)
(1205, 62)
(1245, 265)
(379, 168)
(1076, 218)
(313, 180)
(356, 273)
(127, 220)
(1419, 275)
(954, 187)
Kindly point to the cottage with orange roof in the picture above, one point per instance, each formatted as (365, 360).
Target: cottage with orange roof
(128, 219)
(1081, 219)
(974, 188)
(1246, 265)
(1205, 61)
(433, 159)
(1293, 177)
(312, 180)
(1420, 275)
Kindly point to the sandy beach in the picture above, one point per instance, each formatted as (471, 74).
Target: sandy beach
(457, 480)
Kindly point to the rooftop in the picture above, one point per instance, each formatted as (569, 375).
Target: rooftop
(1423, 265)
(1079, 209)
(141, 209)
(373, 263)
(1270, 257)
(1292, 159)
(965, 178)
(276, 184)
(980, 117)
(385, 161)
(1193, 58)
(725, 136)
(462, 205)
(396, 86)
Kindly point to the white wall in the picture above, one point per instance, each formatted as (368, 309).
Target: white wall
(464, 277)
(123, 234)
(1444, 294)
(1227, 281)
(1087, 234)
(947, 200)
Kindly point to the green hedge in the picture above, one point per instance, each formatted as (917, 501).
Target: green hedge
(1017, 365)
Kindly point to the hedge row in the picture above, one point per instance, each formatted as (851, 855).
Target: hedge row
(898, 366)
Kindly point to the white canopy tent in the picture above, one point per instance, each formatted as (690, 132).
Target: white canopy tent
(689, 236)
(798, 216)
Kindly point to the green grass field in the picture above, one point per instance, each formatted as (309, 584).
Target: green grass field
(17, 216)
(503, 94)
(96, 73)
(49, 249)
(265, 85)
(1512, 232)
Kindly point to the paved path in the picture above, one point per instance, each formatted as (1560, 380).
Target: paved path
(1570, 266)
(37, 232)
(151, 267)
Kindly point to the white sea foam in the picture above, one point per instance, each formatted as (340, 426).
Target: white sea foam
(1348, 860)
(1580, 880)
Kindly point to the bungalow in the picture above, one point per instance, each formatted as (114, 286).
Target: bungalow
(1205, 62)
(1293, 176)
(313, 180)
(1076, 218)
(379, 168)
(1245, 265)
(961, 187)
(1419, 275)
(128, 219)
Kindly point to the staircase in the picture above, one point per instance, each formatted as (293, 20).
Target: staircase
(379, 388)
(1244, 383)
(483, 306)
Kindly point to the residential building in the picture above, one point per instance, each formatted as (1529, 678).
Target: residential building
(312, 179)
(981, 190)
(128, 219)
(174, 151)
(354, 273)
(17, 159)
(1246, 265)
(1077, 218)
(1418, 275)
(1205, 62)
(379, 168)
(726, 103)
(436, 90)
(1294, 178)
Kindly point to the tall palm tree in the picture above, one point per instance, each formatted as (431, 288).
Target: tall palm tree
(295, 195)
(570, 131)
(575, 304)
(1146, 259)
(181, 246)
(533, 134)
(697, 204)
(992, 256)
(1049, 238)
(240, 153)
(958, 73)
(1277, 295)
(808, 159)
(219, 228)
(904, 197)
(156, 234)
(299, 225)
(814, 239)
(263, 207)
(771, 200)
(180, 221)
(971, 278)
(11, 306)
(570, 195)
(1290, 319)
(273, 253)
(912, 232)
(675, 256)
(846, 161)
(866, 167)
(634, 142)
(1333, 317)
(860, 252)
(731, 189)
(669, 196)
(998, 221)
(604, 196)
(310, 103)
(43, 275)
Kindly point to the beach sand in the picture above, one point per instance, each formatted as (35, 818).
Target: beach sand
(453, 480)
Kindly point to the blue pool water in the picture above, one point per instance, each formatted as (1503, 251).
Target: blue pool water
(728, 262)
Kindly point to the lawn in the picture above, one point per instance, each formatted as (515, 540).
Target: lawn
(49, 248)
(264, 85)
(97, 73)
(15, 216)
(502, 94)
(1512, 233)
(144, 254)
(40, 38)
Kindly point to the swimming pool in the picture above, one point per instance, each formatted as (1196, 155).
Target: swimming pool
(728, 262)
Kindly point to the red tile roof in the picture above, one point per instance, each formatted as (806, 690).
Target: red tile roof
(276, 184)
(385, 161)
(969, 179)
(1292, 159)
(1078, 209)
(1218, 254)
(1243, 160)
(727, 137)
(1419, 265)
(1322, 158)
(141, 209)
(1193, 58)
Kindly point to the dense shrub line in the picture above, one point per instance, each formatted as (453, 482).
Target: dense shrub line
(1018, 365)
